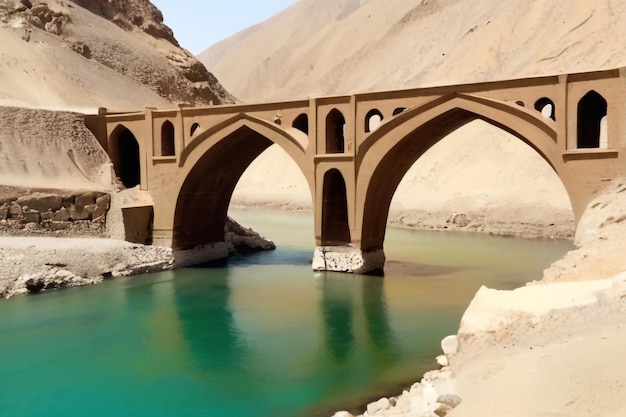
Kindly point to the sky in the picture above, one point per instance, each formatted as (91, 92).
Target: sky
(198, 24)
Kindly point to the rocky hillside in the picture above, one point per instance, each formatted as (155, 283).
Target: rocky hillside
(478, 174)
(86, 54)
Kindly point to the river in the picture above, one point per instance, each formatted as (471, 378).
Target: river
(260, 335)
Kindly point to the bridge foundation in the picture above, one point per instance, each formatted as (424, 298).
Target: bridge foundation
(348, 259)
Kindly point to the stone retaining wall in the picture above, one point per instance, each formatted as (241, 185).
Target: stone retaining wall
(84, 213)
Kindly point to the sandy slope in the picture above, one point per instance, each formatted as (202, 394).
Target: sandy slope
(341, 46)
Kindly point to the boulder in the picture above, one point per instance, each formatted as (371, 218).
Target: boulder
(104, 201)
(41, 203)
(450, 345)
(31, 216)
(62, 215)
(15, 211)
(442, 360)
(380, 405)
(86, 199)
(95, 211)
(78, 212)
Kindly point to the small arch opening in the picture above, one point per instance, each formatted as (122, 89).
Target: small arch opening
(168, 147)
(193, 129)
(398, 110)
(546, 107)
(592, 110)
(335, 132)
(373, 119)
(520, 103)
(125, 157)
(302, 123)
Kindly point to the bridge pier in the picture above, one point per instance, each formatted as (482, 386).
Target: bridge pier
(348, 259)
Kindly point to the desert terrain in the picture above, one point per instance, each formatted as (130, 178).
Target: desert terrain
(551, 348)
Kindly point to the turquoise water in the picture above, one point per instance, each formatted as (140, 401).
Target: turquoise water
(259, 336)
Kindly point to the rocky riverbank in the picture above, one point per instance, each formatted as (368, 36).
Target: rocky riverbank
(33, 264)
(553, 347)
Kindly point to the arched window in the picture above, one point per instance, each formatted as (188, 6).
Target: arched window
(302, 123)
(335, 132)
(398, 110)
(592, 108)
(373, 119)
(335, 227)
(520, 103)
(168, 147)
(546, 107)
(125, 157)
(193, 129)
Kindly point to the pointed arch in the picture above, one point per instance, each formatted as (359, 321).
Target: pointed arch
(385, 159)
(546, 107)
(301, 123)
(193, 128)
(592, 109)
(335, 226)
(373, 119)
(168, 139)
(212, 165)
(125, 155)
(335, 132)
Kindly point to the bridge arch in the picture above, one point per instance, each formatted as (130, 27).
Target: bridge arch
(124, 151)
(211, 168)
(386, 159)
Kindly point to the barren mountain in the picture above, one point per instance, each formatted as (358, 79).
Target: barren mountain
(86, 54)
(328, 47)
(347, 46)
(78, 56)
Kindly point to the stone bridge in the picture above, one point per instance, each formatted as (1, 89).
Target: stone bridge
(354, 150)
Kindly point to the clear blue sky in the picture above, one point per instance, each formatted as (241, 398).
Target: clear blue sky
(198, 24)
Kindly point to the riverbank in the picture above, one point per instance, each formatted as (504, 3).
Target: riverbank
(32, 264)
(553, 347)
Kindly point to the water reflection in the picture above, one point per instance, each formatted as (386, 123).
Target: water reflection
(379, 331)
(345, 315)
(337, 310)
(202, 302)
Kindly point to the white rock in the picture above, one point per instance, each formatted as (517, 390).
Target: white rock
(450, 345)
(380, 405)
(442, 360)
(342, 414)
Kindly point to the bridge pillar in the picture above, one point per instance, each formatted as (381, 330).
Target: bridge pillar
(348, 259)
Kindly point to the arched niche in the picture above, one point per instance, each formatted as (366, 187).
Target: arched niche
(125, 156)
(302, 123)
(335, 227)
(546, 107)
(193, 129)
(168, 140)
(373, 119)
(592, 109)
(335, 132)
